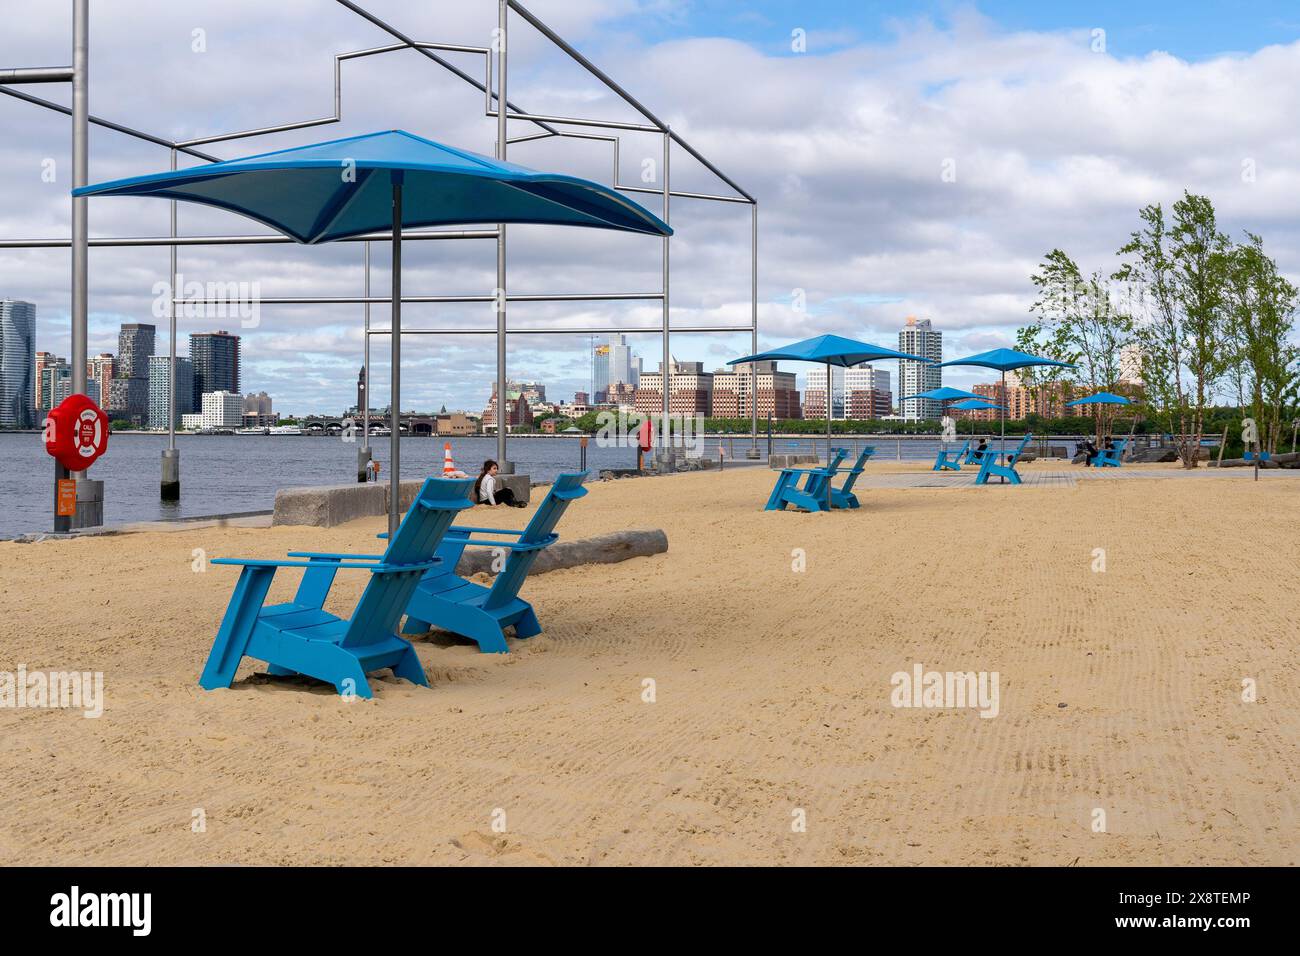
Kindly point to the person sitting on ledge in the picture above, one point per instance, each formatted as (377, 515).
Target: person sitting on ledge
(488, 489)
(1089, 451)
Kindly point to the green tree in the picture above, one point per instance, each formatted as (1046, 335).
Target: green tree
(1182, 269)
(1261, 308)
(1082, 325)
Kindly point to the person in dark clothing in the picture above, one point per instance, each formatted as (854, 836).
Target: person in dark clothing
(488, 489)
(1089, 450)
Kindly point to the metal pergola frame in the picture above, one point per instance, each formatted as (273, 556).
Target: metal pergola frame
(548, 127)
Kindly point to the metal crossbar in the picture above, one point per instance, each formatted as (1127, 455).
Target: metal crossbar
(548, 127)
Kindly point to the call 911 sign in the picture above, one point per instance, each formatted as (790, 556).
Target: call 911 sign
(76, 433)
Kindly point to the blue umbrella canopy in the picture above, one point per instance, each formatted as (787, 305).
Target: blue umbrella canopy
(343, 188)
(944, 394)
(392, 180)
(973, 404)
(829, 350)
(1004, 360)
(1101, 398)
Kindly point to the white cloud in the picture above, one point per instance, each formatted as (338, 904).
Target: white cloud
(1052, 144)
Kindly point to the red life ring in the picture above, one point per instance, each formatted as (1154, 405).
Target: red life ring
(76, 433)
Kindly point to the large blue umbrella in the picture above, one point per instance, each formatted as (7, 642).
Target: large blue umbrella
(1101, 398)
(943, 394)
(1005, 360)
(392, 179)
(829, 350)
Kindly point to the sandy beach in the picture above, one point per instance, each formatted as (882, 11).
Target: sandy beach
(1120, 690)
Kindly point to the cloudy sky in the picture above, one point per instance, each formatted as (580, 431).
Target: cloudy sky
(1054, 124)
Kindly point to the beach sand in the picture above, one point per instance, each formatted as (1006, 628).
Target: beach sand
(1120, 691)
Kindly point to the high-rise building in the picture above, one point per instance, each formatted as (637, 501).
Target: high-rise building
(1047, 400)
(17, 363)
(42, 399)
(918, 337)
(599, 372)
(160, 389)
(690, 390)
(517, 411)
(535, 392)
(216, 363)
(135, 346)
(55, 383)
(222, 409)
(624, 367)
(866, 393)
(1130, 364)
(778, 393)
(128, 399)
(99, 372)
(258, 412)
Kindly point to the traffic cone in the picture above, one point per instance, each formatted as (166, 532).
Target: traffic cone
(448, 466)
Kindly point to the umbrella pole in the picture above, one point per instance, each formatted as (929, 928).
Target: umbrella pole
(828, 434)
(394, 408)
(1002, 442)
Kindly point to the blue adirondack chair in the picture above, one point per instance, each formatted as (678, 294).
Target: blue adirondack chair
(479, 613)
(946, 461)
(810, 497)
(1110, 457)
(301, 638)
(989, 464)
(843, 496)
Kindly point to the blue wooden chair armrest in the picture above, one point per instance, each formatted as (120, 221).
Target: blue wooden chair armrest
(268, 563)
(546, 542)
(377, 567)
(464, 529)
(334, 554)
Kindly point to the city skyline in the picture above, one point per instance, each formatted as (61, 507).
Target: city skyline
(958, 250)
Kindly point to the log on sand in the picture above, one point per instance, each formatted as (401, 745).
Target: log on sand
(602, 549)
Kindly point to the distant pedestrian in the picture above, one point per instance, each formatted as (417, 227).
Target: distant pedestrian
(488, 489)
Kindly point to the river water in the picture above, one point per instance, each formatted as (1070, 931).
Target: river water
(224, 474)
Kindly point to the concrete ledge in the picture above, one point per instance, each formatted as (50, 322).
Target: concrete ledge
(603, 549)
(325, 506)
(519, 484)
(791, 461)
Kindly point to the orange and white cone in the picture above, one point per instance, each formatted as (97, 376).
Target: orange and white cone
(448, 466)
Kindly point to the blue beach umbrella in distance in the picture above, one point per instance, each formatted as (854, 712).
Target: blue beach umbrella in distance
(1004, 360)
(943, 394)
(976, 404)
(829, 350)
(1101, 398)
(382, 181)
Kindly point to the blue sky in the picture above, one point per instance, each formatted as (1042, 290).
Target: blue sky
(1055, 145)
(1192, 29)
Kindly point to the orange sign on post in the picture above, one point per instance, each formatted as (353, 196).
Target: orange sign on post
(67, 498)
